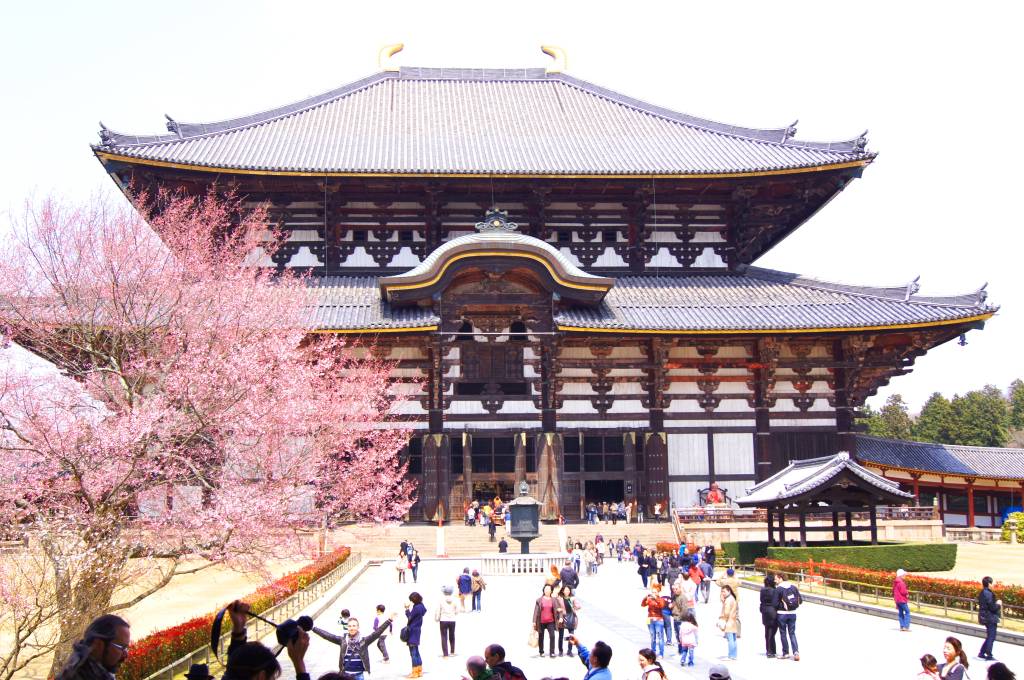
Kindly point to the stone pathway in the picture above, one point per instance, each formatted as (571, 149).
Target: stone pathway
(834, 643)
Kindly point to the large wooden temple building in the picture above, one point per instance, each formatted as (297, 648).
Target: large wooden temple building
(564, 277)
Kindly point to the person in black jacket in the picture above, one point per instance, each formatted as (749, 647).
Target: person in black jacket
(644, 566)
(354, 657)
(769, 614)
(989, 613)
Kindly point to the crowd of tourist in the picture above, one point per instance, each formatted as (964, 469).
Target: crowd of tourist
(675, 584)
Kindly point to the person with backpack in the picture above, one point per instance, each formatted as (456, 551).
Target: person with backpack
(478, 585)
(789, 601)
(465, 584)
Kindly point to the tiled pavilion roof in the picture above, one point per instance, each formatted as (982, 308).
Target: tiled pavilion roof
(422, 121)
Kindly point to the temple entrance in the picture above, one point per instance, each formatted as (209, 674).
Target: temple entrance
(484, 492)
(603, 491)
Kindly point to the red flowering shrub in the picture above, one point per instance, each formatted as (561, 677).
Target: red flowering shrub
(929, 588)
(157, 650)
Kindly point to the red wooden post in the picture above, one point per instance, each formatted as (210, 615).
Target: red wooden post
(970, 503)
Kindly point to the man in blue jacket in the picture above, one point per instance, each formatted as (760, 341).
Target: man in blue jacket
(989, 613)
(595, 660)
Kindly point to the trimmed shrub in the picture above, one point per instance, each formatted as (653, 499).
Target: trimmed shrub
(745, 552)
(159, 649)
(1011, 595)
(1019, 516)
(884, 557)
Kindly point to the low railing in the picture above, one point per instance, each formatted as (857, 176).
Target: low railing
(257, 629)
(716, 513)
(921, 601)
(511, 565)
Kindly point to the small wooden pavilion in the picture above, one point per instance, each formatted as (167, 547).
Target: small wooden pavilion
(823, 486)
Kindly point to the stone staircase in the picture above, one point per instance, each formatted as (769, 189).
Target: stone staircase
(382, 541)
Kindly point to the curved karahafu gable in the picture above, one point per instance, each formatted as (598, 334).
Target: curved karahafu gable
(496, 246)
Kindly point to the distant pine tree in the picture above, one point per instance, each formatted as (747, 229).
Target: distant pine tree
(981, 418)
(935, 422)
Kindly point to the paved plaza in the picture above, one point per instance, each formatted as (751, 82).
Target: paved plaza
(833, 643)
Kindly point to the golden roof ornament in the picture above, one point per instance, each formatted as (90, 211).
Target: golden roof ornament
(496, 220)
(558, 54)
(385, 54)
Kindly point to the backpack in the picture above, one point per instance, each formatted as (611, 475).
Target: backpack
(790, 598)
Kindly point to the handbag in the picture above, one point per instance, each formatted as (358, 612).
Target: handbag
(533, 639)
(403, 634)
(570, 620)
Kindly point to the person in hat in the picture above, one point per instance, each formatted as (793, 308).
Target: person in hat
(718, 672)
(199, 671)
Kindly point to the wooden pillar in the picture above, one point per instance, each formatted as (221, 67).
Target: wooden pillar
(436, 477)
(766, 459)
(849, 527)
(874, 524)
(656, 467)
(467, 467)
(917, 491)
(782, 525)
(549, 453)
(802, 509)
(835, 527)
(520, 461)
(771, 525)
(656, 441)
(847, 436)
(970, 503)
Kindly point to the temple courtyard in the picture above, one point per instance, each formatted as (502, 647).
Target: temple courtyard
(833, 643)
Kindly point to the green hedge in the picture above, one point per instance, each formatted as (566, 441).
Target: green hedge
(885, 556)
(1019, 516)
(745, 552)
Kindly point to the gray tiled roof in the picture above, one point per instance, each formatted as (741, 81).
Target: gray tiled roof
(802, 476)
(477, 121)
(953, 459)
(354, 302)
(760, 299)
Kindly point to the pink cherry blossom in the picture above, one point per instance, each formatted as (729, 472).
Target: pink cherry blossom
(193, 420)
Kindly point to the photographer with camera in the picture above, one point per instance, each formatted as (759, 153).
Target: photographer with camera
(354, 657)
(596, 660)
(254, 660)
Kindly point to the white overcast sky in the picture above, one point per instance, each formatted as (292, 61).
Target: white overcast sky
(938, 85)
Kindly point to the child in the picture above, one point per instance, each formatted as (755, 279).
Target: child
(377, 620)
(343, 618)
(687, 638)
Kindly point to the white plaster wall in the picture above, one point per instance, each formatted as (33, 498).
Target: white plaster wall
(688, 454)
(734, 453)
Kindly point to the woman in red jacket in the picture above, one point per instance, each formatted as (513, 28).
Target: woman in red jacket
(901, 596)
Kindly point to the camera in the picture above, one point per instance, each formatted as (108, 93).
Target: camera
(288, 631)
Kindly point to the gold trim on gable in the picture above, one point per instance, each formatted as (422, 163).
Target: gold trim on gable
(493, 253)
(107, 156)
(777, 331)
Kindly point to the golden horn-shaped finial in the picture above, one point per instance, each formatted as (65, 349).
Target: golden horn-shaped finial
(558, 54)
(386, 53)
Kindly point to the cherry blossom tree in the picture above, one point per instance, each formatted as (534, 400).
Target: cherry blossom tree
(193, 419)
